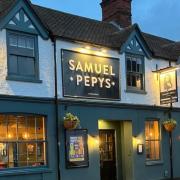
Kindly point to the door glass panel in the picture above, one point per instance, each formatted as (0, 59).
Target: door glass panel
(107, 154)
(106, 146)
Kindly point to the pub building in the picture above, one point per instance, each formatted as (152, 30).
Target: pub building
(120, 85)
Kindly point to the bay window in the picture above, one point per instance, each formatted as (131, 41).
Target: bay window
(22, 141)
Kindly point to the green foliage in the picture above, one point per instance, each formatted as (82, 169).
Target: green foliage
(71, 117)
(170, 121)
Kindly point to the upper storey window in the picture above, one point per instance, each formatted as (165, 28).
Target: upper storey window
(22, 56)
(23, 29)
(135, 50)
(135, 72)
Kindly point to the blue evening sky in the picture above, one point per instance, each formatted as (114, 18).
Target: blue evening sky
(158, 17)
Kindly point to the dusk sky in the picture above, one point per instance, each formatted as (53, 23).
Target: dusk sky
(158, 17)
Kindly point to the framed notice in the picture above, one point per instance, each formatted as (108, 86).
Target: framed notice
(90, 76)
(76, 147)
(168, 87)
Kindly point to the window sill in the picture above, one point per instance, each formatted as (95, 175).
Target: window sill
(19, 171)
(21, 79)
(153, 163)
(136, 91)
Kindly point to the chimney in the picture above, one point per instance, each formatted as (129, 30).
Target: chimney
(118, 11)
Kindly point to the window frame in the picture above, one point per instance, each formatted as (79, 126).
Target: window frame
(24, 78)
(132, 89)
(25, 115)
(160, 160)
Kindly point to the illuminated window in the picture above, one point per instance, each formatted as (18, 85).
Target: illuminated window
(22, 141)
(152, 136)
(135, 72)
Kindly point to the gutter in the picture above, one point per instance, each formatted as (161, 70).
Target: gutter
(53, 38)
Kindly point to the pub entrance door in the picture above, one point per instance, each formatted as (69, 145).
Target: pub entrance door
(107, 155)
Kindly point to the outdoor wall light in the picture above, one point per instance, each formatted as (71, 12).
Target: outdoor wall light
(87, 47)
(138, 144)
(84, 50)
(94, 139)
(136, 140)
(103, 50)
(140, 148)
(93, 50)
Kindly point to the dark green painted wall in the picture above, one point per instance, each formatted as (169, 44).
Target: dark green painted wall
(43, 108)
(89, 116)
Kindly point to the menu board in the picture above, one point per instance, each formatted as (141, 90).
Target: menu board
(76, 148)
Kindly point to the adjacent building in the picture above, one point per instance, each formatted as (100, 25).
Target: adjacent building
(108, 73)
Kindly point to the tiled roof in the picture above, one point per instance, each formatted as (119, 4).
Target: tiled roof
(156, 44)
(173, 49)
(5, 6)
(76, 27)
(83, 29)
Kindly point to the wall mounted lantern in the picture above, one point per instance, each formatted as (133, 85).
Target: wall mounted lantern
(140, 149)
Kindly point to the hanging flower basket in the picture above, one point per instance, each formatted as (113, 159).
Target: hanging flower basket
(71, 121)
(170, 125)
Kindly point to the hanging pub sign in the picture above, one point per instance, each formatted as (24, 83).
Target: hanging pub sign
(90, 76)
(168, 87)
(76, 148)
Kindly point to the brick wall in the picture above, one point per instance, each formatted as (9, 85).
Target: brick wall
(118, 11)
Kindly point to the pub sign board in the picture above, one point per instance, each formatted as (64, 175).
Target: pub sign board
(90, 76)
(168, 87)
